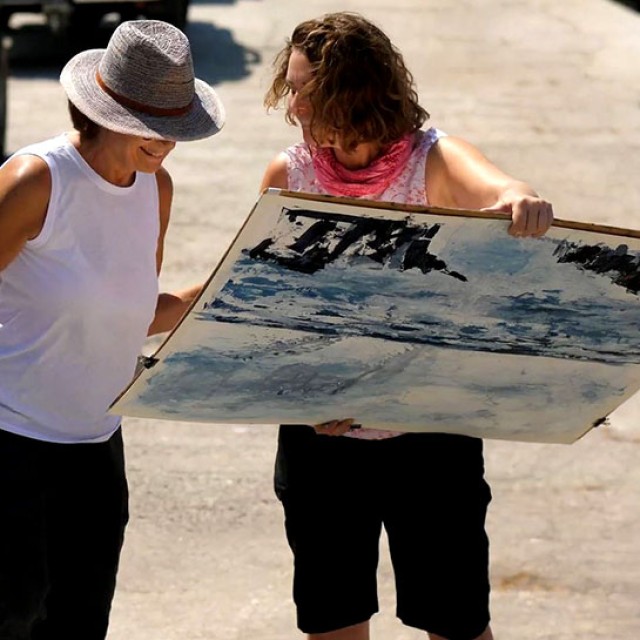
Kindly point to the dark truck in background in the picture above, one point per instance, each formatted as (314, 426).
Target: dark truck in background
(74, 17)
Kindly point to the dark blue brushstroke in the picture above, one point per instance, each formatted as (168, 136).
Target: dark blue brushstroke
(512, 339)
(621, 266)
(385, 239)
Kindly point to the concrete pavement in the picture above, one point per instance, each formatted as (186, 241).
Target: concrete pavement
(551, 92)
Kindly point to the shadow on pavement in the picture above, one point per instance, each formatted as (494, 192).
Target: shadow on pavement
(632, 4)
(217, 56)
(36, 53)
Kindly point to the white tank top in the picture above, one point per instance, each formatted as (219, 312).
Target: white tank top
(76, 302)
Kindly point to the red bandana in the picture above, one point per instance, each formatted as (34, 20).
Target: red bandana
(373, 180)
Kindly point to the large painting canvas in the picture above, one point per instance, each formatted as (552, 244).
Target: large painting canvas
(408, 319)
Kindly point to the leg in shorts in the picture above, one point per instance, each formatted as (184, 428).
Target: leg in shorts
(429, 493)
(435, 509)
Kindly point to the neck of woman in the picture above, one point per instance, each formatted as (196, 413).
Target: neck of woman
(105, 158)
(361, 157)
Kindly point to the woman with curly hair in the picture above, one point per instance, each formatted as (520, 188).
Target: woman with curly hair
(347, 86)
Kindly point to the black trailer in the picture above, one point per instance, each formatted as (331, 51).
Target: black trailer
(73, 20)
(67, 17)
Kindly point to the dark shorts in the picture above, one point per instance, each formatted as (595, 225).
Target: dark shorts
(63, 509)
(429, 493)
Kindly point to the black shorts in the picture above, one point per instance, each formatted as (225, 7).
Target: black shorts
(428, 491)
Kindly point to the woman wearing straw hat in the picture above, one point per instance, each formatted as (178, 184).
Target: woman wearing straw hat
(348, 88)
(82, 224)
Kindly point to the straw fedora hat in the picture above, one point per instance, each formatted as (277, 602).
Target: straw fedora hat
(143, 84)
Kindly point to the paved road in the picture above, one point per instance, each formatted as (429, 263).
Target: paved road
(551, 91)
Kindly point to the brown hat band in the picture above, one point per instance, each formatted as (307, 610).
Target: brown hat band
(139, 106)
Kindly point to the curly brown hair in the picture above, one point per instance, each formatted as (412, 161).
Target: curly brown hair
(360, 91)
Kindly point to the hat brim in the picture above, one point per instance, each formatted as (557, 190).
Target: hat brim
(78, 78)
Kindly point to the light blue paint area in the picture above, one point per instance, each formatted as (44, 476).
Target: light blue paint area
(302, 378)
(488, 256)
(290, 369)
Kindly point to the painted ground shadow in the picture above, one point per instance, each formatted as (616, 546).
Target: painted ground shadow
(406, 321)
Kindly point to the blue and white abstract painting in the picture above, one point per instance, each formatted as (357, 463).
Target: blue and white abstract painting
(404, 321)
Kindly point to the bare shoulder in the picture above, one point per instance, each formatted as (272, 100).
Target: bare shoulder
(451, 149)
(25, 171)
(436, 174)
(457, 174)
(25, 189)
(275, 174)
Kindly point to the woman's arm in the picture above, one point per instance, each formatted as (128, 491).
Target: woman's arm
(165, 196)
(25, 189)
(276, 174)
(457, 175)
(171, 306)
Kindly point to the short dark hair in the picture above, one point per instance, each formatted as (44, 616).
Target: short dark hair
(86, 126)
(361, 89)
